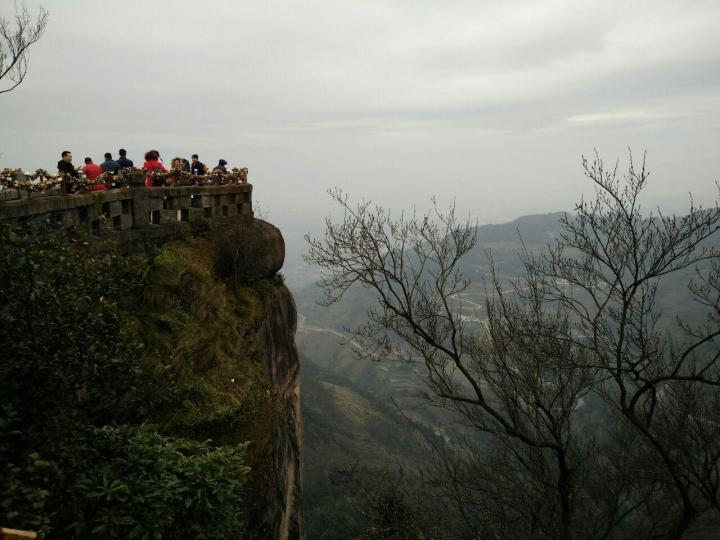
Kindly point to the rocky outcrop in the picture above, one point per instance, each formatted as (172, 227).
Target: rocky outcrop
(272, 256)
(278, 516)
(276, 337)
(248, 250)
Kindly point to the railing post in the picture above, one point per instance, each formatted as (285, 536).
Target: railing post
(140, 200)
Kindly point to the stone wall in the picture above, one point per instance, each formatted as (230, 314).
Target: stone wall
(124, 213)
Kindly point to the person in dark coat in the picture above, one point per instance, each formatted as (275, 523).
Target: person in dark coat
(65, 164)
(197, 166)
(221, 166)
(123, 161)
(109, 165)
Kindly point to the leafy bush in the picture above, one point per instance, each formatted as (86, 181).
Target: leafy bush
(64, 346)
(139, 484)
(76, 459)
(24, 477)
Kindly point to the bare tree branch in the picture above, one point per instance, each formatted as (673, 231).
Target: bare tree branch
(16, 37)
(583, 324)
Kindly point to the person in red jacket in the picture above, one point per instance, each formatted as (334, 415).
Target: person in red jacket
(152, 164)
(92, 171)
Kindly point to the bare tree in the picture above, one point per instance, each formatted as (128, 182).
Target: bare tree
(581, 325)
(606, 274)
(16, 37)
(412, 264)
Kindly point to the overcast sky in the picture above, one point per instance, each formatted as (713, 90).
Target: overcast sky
(489, 102)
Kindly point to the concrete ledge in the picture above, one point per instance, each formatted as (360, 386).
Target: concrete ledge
(110, 212)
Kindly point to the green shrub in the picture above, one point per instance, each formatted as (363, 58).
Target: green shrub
(139, 484)
(63, 349)
(24, 478)
(76, 460)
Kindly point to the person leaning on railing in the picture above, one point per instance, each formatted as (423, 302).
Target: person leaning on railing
(42, 181)
(123, 160)
(220, 167)
(177, 167)
(110, 168)
(109, 165)
(93, 171)
(66, 167)
(152, 164)
(197, 167)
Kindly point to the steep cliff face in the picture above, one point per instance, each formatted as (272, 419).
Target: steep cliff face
(273, 341)
(283, 479)
(218, 308)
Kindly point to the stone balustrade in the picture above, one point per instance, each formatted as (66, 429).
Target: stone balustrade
(125, 213)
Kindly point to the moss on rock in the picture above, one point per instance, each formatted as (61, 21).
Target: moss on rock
(194, 328)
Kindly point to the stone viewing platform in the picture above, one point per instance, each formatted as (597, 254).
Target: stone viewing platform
(129, 213)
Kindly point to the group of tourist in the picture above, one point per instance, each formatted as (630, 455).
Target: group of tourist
(153, 164)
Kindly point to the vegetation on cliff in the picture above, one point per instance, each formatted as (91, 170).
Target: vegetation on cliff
(132, 404)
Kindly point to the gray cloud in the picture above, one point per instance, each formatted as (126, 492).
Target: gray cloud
(489, 102)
